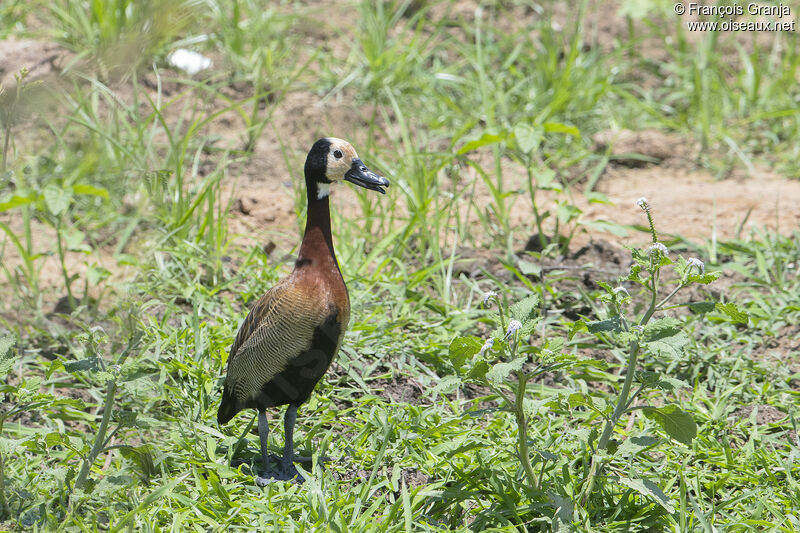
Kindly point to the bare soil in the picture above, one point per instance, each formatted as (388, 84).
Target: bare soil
(765, 414)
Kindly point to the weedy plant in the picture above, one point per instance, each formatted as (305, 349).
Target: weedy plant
(14, 106)
(509, 366)
(117, 37)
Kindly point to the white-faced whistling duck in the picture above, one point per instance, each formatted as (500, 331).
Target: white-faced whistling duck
(287, 342)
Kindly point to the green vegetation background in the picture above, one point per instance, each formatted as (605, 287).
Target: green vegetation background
(112, 378)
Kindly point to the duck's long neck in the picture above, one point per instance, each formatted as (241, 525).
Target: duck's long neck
(317, 245)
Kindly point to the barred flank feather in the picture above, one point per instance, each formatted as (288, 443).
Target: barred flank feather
(284, 346)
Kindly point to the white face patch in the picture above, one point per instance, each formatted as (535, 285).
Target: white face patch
(323, 190)
(340, 158)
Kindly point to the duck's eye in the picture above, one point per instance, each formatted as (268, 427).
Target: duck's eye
(337, 154)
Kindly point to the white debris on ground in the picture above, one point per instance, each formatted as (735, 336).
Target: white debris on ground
(188, 61)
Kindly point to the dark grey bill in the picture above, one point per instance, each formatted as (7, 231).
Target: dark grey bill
(364, 177)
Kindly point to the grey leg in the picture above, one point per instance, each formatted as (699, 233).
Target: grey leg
(288, 448)
(263, 433)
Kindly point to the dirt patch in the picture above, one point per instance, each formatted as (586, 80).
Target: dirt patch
(50, 276)
(42, 59)
(403, 391)
(642, 148)
(475, 262)
(765, 415)
(477, 395)
(598, 257)
(411, 476)
(784, 349)
(695, 205)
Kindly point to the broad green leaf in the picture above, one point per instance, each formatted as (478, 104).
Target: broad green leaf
(501, 371)
(577, 327)
(610, 324)
(10, 446)
(142, 456)
(669, 383)
(529, 268)
(96, 273)
(678, 424)
(605, 286)
(650, 489)
(484, 140)
(557, 127)
(567, 213)
(479, 370)
(76, 443)
(53, 439)
(595, 197)
(7, 356)
(527, 137)
(556, 344)
(640, 257)
(662, 328)
(463, 348)
(654, 379)
(669, 346)
(532, 407)
(446, 385)
(82, 365)
(704, 279)
(57, 199)
(525, 309)
(90, 190)
(596, 402)
(73, 238)
(665, 336)
(634, 445)
(546, 179)
(737, 316)
(578, 399)
(702, 307)
(15, 201)
(648, 378)
(564, 515)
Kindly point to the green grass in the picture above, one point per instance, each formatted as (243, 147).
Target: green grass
(121, 174)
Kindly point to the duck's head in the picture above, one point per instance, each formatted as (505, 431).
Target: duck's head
(331, 160)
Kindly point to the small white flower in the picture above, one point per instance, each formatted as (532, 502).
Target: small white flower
(513, 327)
(642, 202)
(620, 289)
(488, 296)
(638, 328)
(116, 368)
(487, 346)
(695, 262)
(658, 247)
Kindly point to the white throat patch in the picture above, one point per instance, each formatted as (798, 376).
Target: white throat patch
(323, 190)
